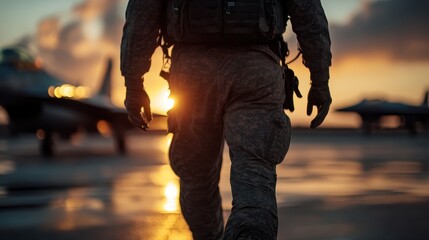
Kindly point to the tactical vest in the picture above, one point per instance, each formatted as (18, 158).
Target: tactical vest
(223, 21)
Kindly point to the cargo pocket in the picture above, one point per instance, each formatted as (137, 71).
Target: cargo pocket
(281, 130)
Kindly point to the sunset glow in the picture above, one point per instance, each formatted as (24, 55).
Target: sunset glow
(117, 125)
(161, 101)
(375, 54)
(169, 102)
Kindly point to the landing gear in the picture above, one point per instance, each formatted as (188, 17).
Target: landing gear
(370, 123)
(410, 125)
(120, 144)
(367, 127)
(119, 139)
(46, 145)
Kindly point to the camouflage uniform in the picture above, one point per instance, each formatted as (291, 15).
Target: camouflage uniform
(229, 92)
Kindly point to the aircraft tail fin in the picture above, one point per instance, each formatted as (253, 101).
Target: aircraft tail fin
(106, 89)
(425, 102)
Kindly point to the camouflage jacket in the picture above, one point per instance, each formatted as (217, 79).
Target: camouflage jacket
(143, 24)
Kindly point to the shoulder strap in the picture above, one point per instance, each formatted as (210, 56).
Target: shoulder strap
(164, 43)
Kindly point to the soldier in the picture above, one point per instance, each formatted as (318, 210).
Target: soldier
(226, 91)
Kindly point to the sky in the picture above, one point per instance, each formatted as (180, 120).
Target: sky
(380, 48)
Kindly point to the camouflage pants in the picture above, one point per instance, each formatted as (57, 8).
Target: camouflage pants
(236, 94)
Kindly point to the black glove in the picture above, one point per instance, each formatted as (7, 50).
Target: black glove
(134, 101)
(291, 86)
(319, 96)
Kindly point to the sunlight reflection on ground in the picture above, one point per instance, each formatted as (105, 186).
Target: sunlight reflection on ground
(139, 193)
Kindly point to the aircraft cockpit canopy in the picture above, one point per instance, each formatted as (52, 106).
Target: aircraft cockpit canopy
(20, 59)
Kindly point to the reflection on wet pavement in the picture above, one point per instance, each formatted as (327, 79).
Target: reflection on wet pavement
(326, 184)
(171, 194)
(6, 167)
(149, 191)
(368, 171)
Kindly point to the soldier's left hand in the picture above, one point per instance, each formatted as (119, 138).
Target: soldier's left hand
(319, 96)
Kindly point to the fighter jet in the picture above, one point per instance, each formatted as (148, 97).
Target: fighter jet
(372, 112)
(37, 102)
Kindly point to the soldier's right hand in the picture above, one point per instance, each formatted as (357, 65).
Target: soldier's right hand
(134, 102)
(319, 96)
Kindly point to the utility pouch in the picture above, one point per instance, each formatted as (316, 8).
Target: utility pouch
(291, 87)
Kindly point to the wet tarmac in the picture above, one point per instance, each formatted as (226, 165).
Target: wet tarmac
(333, 185)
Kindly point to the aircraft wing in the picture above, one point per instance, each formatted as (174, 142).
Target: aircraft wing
(97, 108)
(384, 108)
(91, 108)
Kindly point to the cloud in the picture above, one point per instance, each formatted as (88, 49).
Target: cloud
(397, 29)
(94, 8)
(48, 31)
(75, 46)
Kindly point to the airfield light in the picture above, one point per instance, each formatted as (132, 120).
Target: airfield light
(103, 128)
(82, 92)
(51, 91)
(57, 93)
(67, 90)
(40, 134)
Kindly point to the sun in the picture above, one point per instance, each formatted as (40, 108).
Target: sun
(166, 102)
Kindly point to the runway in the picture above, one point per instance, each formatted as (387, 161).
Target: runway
(333, 185)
